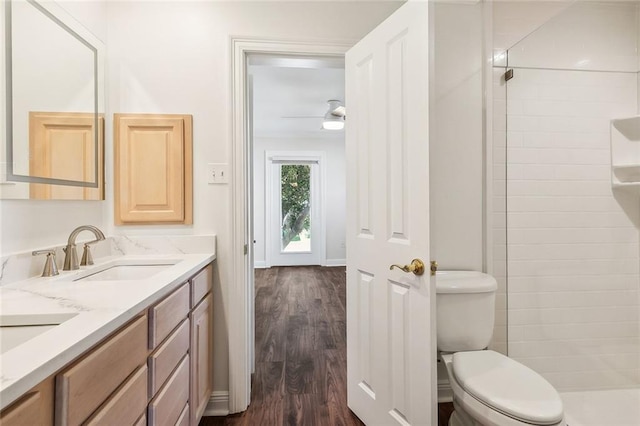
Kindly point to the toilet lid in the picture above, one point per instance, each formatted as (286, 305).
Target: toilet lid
(508, 387)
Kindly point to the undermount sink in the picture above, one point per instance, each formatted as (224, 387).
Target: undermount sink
(127, 269)
(125, 272)
(17, 329)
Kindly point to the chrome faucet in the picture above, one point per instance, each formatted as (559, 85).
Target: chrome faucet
(70, 254)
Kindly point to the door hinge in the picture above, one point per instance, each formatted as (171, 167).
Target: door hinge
(508, 75)
(246, 248)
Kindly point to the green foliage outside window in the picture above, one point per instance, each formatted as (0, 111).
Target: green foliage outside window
(296, 190)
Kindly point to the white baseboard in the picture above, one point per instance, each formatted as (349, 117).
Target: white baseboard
(218, 404)
(259, 264)
(336, 262)
(445, 393)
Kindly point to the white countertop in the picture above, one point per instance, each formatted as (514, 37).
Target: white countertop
(101, 306)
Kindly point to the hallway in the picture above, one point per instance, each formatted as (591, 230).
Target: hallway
(301, 367)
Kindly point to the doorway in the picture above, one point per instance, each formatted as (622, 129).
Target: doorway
(297, 170)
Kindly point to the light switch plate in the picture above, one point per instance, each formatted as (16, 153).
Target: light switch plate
(217, 173)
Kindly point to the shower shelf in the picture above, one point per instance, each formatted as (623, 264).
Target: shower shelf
(625, 153)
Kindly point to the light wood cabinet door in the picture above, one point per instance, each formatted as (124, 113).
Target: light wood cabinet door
(153, 169)
(62, 146)
(34, 408)
(201, 357)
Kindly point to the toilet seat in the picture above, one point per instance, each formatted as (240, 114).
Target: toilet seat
(497, 390)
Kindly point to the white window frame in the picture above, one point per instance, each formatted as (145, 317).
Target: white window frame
(296, 157)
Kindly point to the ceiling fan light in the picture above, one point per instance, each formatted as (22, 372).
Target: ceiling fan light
(333, 124)
(333, 120)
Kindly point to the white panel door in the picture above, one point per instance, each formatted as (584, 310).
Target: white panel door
(391, 350)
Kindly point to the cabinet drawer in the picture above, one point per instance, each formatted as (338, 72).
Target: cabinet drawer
(34, 408)
(126, 404)
(166, 407)
(84, 386)
(164, 360)
(183, 420)
(201, 285)
(166, 315)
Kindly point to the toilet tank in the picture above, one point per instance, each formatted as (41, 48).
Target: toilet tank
(465, 309)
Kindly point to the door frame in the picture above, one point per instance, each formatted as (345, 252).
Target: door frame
(241, 317)
(317, 191)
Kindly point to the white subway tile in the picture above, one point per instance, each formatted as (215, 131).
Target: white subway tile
(575, 347)
(585, 363)
(554, 93)
(522, 91)
(572, 283)
(573, 299)
(562, 188)
(530, 172)
(547, 268)
(610, 379)
(583, 316)
(585, 252)
(575, 235)
(563, 124)
(583, 172)
(576, 219)
(580, 331)
(562, 204)
(520, 123)
(573, 254)
(558, 156)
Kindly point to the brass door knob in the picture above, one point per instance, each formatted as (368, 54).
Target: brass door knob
(416, 267)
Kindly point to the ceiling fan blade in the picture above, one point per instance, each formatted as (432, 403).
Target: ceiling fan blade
(302, 116)
(339, 112)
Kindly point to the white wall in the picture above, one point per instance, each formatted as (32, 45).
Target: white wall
(591, 36)
(514, 20)
(174, 57)
(456, 142)
(573, 252)
(335, 194)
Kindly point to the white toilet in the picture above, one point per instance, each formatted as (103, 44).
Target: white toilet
(489, 389)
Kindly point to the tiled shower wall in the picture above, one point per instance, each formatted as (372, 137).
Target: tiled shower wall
(573, 252)
(560, 234)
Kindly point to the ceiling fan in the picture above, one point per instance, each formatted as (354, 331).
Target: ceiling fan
(333, 118)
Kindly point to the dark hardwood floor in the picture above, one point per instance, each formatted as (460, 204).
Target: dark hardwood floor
(301, 351)
(301, 365)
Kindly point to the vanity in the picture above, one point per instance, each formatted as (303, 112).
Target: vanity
(125, 341)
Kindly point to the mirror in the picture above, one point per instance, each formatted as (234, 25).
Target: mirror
(53, 106)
